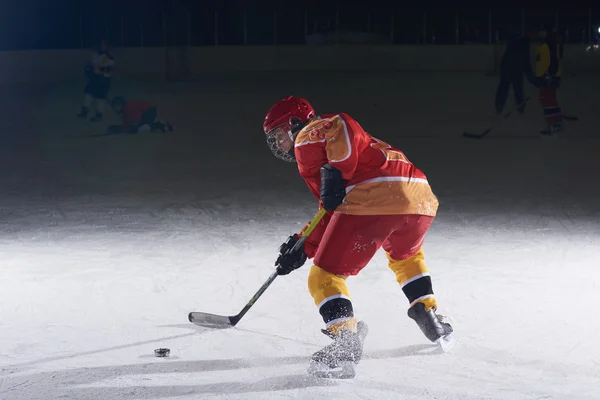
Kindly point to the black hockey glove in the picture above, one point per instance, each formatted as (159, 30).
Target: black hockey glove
(548, 81)
(333, 187)
(291, 255)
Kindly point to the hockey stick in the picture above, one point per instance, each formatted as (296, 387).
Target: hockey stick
(488, 130)
(224, 321)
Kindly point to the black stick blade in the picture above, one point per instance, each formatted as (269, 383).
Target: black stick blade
(475, 135)
(210, 320)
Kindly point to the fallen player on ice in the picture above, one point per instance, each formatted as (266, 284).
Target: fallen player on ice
(138, 116)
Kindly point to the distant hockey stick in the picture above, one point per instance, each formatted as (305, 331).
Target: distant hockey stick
(223, 321)
(488, 130)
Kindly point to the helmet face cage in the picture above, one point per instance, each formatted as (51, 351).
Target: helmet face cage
(281, 142)
(283, 121)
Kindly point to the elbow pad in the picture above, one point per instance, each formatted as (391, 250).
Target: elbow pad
(333, 187)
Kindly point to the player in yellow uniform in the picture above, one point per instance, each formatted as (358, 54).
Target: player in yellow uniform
(548, 71)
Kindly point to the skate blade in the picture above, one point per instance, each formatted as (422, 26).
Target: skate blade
(446, 343)
(345, 370)
(550, 135)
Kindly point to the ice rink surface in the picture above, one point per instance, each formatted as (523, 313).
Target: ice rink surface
(106, 244)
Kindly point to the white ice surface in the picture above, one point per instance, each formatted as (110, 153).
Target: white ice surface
(107, 243)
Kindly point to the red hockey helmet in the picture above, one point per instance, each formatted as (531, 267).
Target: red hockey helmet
(283, 121)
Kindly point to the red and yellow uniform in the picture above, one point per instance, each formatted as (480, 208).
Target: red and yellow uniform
(388, 204)
(138, 112)
(548, 59)
(548, 71)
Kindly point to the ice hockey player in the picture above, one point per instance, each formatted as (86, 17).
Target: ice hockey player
(138, 116)
(548, 71)
(374, 197)
(515, 62)
(98, 71)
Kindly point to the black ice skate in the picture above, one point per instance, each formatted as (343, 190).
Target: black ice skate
(162, 126)
(435, 327)
(83, 113)
(96, 118)
(338, 360)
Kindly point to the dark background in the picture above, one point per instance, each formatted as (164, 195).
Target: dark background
(61, 24)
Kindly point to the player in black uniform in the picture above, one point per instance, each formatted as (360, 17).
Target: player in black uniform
(515, 63)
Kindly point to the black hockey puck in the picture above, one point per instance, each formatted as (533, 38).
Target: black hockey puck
(162, 352)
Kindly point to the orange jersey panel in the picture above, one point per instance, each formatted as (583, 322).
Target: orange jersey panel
(380, 179)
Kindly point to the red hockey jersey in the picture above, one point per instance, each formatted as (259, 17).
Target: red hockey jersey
(381, 180)
(133, 111)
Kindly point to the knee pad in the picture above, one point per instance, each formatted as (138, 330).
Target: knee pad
(332, 298)
(414, 279)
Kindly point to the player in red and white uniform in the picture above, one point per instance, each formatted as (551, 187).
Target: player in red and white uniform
(374, 197)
